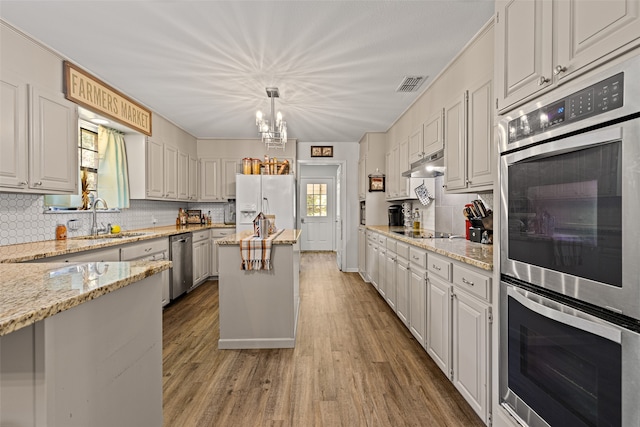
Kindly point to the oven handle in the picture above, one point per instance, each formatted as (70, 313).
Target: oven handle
(607, 332)
(583, 140)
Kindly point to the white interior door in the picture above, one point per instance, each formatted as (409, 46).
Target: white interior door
(317, 214)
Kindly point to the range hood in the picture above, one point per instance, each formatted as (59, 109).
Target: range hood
(428, 167)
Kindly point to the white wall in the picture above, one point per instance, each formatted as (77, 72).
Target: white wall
(347, 152)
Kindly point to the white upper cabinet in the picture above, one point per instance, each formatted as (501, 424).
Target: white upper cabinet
(523, 51)
(540, 43)
(210, 180)
(183, 176)
(13, 142)
(170, 172)
(455, 122)
(470, 157)
(43, 160)
(590, 30)
(193, 178)
(427, 139)
(155, 168)
(482, 154)
(230, 167)
(432, 135)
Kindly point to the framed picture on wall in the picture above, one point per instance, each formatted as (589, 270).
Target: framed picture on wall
(321, 151)
(376, 183)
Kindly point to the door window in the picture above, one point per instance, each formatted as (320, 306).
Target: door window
(317, 200)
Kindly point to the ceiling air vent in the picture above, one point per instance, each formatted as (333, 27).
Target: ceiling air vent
(411, 83)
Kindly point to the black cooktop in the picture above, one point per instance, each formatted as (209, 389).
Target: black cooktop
(420, 234)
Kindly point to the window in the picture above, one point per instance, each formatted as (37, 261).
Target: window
(316, 199)
(88, 159)
(87, 162)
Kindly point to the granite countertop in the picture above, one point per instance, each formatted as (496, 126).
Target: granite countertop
(32, 292)
(286, 237)
(460, 249)
(48, 248)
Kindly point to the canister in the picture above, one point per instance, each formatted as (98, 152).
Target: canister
(61, 232)
(246, 166)
(255, 163)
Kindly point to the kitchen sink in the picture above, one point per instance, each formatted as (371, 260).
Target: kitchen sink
(121, 235)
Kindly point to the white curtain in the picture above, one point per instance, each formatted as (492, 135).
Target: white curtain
(113, 176)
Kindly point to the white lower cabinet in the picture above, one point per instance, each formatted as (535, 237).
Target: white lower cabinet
(362, 253)
(372, 258)
(446, 306)
(201, 257)
(418, 294)
(390, 274)
(151, 250)
(382, 262)
(403, 278)
(458, 323)
(470, 364)
(438, 330)
(216, 234)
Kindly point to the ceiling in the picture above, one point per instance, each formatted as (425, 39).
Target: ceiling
(204, 65)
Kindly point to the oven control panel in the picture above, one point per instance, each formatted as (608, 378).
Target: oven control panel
(596, 99)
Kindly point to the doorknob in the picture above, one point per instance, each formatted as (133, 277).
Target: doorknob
(302, 220)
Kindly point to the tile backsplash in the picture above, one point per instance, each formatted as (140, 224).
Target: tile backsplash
(23, 218)
(448, 208)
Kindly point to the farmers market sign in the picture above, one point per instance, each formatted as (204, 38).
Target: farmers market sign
(97, 96)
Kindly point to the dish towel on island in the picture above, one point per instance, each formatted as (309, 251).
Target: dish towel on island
(256, 252)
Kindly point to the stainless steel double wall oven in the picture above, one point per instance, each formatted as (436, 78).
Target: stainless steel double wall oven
(570, 254)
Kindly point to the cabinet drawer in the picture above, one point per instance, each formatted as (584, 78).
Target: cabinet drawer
(402, 249)
(200, 235)
(221, 232)
(418, 257)
(143, 249)
(391, 245)
(471, 281)
(440, 267)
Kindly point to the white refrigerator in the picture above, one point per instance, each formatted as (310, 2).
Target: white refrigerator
(269, 194)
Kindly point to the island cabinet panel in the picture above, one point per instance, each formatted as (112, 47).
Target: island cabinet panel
(96, 364)
(259, 308)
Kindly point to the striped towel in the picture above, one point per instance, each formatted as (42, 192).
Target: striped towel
(256, 252)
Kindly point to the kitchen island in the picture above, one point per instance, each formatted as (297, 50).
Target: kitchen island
(259, 308)
(81, 343)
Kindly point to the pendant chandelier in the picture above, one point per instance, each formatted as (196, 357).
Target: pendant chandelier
(273, 131)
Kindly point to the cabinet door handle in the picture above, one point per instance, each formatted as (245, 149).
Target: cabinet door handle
(37, 183)
(435, 267)
(543, 80)
(559, 69)
(23, 183)
(466, 282)
(467, 181)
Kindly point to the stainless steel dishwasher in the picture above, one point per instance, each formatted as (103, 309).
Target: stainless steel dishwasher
(181, 252)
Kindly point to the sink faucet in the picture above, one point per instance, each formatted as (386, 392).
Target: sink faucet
(94, 225)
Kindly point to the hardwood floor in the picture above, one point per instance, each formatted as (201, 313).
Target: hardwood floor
(354, 364)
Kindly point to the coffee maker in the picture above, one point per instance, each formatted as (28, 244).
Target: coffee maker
(395, 215)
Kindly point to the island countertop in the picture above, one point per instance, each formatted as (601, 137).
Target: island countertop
(32, 292)
(286, 237)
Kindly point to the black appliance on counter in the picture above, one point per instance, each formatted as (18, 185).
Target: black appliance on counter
(395, 215)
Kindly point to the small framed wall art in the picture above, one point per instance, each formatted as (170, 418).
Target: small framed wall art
(376, 183)
(321, 151)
